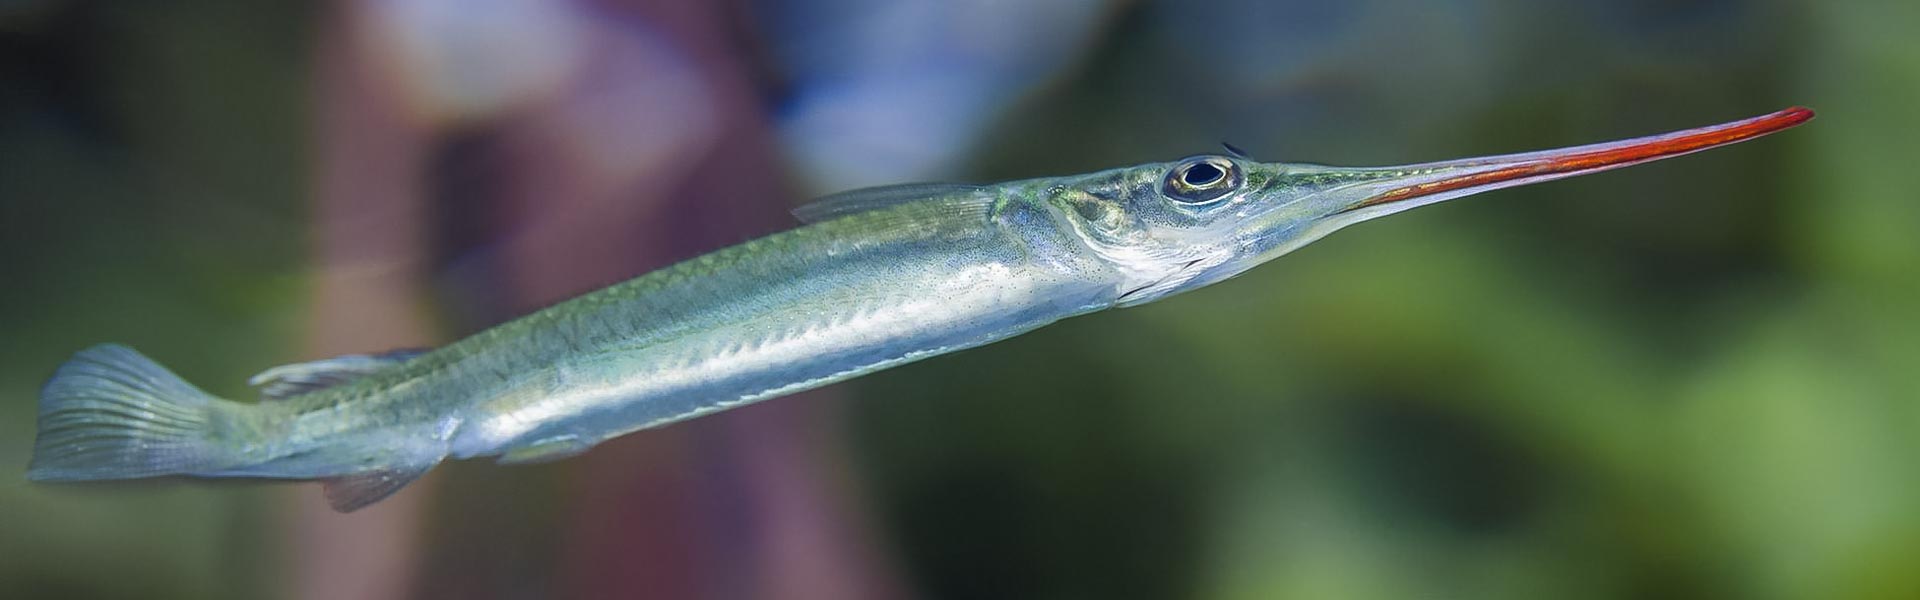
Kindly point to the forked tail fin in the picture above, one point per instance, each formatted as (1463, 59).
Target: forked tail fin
(110, 413)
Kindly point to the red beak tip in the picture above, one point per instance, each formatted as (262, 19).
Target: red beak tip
(1600, 157)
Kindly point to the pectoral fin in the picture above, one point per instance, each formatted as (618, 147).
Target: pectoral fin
(959, 197)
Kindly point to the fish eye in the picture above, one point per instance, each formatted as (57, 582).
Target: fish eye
(1202, 180)
(1202, 175)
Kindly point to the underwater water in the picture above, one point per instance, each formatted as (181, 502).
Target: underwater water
(1690, 379)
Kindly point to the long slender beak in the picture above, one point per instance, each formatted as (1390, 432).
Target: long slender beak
(1406, 187)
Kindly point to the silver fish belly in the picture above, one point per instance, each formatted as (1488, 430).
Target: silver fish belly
(725, 330)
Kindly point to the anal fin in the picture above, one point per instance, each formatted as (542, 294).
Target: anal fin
(547, 450)
(348, 493)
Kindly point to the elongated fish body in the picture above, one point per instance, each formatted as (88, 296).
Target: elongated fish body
(782, 314)
(878, 278)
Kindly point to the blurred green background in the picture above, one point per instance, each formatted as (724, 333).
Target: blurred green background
(1698, 378)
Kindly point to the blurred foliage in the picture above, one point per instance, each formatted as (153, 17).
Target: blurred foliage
(1689, 379)
(150, 192)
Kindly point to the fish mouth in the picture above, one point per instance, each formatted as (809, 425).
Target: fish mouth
(1451, 179)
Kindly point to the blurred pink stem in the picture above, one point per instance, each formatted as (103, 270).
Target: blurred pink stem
(368, 215)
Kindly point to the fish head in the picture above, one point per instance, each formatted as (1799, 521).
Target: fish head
(1176, 226)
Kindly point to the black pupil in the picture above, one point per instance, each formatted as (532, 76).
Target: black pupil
(1202, 175)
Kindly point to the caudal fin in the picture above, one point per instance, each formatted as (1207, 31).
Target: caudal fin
(110, 413)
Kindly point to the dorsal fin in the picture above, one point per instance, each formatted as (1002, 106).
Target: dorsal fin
(287, 381)
(866, 199)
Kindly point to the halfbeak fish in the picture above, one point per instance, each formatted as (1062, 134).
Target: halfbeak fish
(876, 278)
